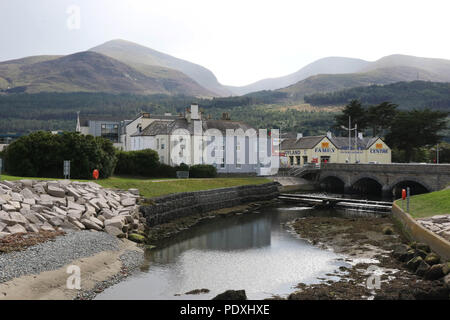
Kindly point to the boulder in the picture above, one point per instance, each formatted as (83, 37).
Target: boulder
(32, 228)
(422, 268)
(27, 194)
(8, 207)
(55, 191)
(126, 202)
(113, 231)
(6, 219)
(56, 221)
(446, 280)
(2, 226)
(423, 246)
(4, 234)
(231, 295)
(400, 252)
(97, 221)
(420, 253)
(17, 228)
(414, 263)
(78, 224)
(75, 206)
(446, 267)
(136, 238)
(47, 227)
(90, 225)
(115, 222)
(18, 218)
(435, 272)
(432, 258)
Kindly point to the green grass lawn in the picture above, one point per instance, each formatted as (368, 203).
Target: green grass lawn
(158, 187)
(429, 204)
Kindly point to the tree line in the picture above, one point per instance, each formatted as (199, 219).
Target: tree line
(407, 132)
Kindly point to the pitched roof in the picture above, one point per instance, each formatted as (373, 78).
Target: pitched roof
(168, 127)
(301, 143)
(340, 142)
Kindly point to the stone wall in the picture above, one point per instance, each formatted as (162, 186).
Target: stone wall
(167, 208)
(416, 232)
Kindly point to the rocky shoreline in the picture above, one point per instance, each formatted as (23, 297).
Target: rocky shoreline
(370, 247)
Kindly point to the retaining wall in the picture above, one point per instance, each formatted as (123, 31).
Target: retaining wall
(174, 206)
(414, 231)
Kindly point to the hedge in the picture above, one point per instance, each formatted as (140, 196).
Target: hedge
(42, 154)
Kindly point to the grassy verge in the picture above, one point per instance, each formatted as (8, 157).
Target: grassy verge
(159, 187)
(429, 204)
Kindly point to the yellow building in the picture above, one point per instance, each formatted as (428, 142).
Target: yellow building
(327, 148)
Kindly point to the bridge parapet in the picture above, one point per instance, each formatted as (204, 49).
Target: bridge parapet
(389, 168)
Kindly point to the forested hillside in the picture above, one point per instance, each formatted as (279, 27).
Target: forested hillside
(408, 95)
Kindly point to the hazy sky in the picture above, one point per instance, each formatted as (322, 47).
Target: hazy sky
(241, 41)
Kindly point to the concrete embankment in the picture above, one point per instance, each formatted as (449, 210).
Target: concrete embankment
(416, 232)
(175, 206)
(289, 184)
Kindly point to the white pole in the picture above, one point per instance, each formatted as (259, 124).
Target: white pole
(349, 137)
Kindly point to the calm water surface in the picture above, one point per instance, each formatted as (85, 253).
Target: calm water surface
(254, 252)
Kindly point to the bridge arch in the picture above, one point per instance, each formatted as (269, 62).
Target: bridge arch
(417, 186)
(332, 182)
(367, 184)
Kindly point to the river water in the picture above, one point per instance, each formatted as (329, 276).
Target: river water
(255, 252)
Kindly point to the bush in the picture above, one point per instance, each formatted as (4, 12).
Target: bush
(202, 171)
(138, 163)
(41, 154)
(166, 171)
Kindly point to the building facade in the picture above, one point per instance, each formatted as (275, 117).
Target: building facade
(231, 146)
(328, 148)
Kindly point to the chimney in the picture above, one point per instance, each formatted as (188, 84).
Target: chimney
(194, 112)
(299, 135)
(360, 135)
(329, 136)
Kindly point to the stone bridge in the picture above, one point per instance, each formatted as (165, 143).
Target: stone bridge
(388, 177)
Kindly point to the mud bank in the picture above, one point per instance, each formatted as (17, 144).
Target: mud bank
(366, 245)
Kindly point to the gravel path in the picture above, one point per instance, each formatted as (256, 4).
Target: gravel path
(52, 255)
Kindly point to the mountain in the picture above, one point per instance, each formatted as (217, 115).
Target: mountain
(91, 72)
(336, 82)
(440, 68)
(142, 58)
(330, 65)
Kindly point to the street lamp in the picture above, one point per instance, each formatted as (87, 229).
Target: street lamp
(350, 136)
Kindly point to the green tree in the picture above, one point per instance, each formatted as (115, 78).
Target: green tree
(357, 113)
(411, 130)
(380, 117)
(41, 154)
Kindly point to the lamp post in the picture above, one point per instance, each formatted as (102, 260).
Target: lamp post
(350, 135)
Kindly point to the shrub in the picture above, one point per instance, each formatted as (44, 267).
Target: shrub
(139, 163)
(166, 171)
(202, 171)
(41, 154)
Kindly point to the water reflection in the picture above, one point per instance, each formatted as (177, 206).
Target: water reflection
(254, 252)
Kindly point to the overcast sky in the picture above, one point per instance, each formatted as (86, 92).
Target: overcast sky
(241, 41)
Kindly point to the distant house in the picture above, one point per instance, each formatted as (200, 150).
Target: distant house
(328, 148)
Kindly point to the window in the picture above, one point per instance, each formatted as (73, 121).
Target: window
(157, 143)
(162, 159)
(110, 131)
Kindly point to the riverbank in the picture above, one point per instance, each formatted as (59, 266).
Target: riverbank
(167, 230)
(40, 271)
(367, 244)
